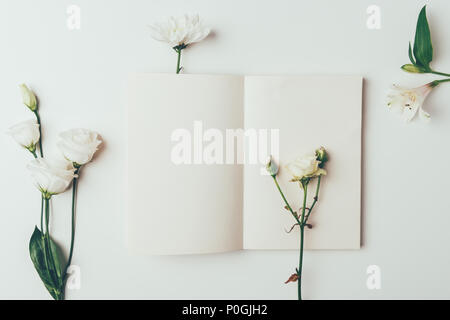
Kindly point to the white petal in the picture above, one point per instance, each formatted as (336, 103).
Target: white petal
(409, 112)
(424, 115)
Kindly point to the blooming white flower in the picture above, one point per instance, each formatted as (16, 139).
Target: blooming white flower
(409, 101)
(180, 31)
(78, 145)
(28, 97)
(51, 177)
(26, 134)
(306, 166)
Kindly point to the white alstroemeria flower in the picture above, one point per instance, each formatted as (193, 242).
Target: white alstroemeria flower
(409, 101)
(78, 145)
(306, 166)
(26, 134)
(180, 31)
(28, 97)
(51, 177)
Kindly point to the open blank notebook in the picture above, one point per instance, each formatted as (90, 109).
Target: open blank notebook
(203, 207)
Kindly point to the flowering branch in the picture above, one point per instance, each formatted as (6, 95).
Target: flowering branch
(180, 32)
(303, 171)
(78, 147)
(410, 101)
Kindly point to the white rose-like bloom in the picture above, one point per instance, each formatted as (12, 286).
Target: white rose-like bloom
(28, 97)
(51, 177)
(26, 134)
(179, 31)
(78, 145)
(408, 101)
(305, 167)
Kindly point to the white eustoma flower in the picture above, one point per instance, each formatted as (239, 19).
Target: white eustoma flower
(28, 97)
(306, 166)
(180, 31)
(78, 145)
(26, 134)
(51, 177)
(409, 101)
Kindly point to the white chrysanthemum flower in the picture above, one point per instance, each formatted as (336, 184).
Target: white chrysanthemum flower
(180, 31)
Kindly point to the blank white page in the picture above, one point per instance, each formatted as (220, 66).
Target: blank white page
(181, 208)
(309, 111)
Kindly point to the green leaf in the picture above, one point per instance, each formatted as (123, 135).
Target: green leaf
(411, 57)
(57, 259)
(47, 262)
(423, 49)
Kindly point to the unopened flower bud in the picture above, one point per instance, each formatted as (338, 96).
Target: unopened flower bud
(413, 68)
(28, 98)
(322, 156)
(271, 166)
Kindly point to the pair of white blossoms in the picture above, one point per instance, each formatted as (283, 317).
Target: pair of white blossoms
(76, 145)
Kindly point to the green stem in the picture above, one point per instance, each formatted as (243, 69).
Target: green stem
(74, 195)
(302, 235)
(48, 254)
(437, 82)
(42, 214)
(42, 201)
(300, 262)
(38, 119)
(285, 200)
(440, 73)
(316, 198)
(178, 60)
(47, 216)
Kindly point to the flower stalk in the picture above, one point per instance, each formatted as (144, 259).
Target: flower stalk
(178, 61)
(38, 119)
(303, 170)
(51, 178)
(178, 50)
(410, 101)
(179, 33)
(72, 238)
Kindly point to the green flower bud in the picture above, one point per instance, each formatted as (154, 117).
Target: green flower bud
(271, 167)
(28, 98)
(413, 68)
(322, 156)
